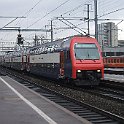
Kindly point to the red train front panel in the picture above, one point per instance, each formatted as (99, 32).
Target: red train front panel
(87, 62)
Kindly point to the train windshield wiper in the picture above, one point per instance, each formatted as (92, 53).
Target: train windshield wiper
(93, 60)
(78, 58)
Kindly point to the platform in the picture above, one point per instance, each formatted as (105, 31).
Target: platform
(113, 77)
(114, 69)
(20, 105)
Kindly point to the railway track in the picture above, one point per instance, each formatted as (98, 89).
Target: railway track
(108, 93)
(91, 113)
(113, 84)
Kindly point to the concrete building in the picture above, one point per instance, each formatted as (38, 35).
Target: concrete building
(108, 34)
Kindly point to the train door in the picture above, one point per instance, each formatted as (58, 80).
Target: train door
(62, 64)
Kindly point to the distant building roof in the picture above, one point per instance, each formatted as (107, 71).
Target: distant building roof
(114, 49)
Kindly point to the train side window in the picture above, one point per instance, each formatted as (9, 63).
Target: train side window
(114, 60)
(104, 60)
(117, 60)
(121, 60)
(109, 61)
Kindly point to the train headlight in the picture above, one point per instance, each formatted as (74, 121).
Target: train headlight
(98, 70)
(79, 71)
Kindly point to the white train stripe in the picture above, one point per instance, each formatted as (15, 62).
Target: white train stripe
(41, 113)
(45, 58)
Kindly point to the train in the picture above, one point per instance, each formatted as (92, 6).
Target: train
(114, 62)
(76, 59)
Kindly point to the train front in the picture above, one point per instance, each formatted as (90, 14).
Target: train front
(87, 62)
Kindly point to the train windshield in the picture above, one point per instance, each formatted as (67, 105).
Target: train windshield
(86, 51)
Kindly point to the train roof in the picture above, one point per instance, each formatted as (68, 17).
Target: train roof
(122, 56)
(57, 45)
(60, 43)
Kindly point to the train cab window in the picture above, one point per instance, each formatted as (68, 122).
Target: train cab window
(86, 51)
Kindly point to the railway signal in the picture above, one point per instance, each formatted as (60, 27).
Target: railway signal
(19, 39)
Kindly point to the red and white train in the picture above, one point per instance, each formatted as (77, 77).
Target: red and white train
(114, 62)
(76, 58)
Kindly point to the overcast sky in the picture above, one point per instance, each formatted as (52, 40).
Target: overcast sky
(38, 14)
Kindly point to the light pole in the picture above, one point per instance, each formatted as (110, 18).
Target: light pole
(96, 19)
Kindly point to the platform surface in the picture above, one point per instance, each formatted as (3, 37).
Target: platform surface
(114, 69)
(20, 105)
(113, 77)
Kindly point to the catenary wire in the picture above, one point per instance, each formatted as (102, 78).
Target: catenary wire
(49, 13)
